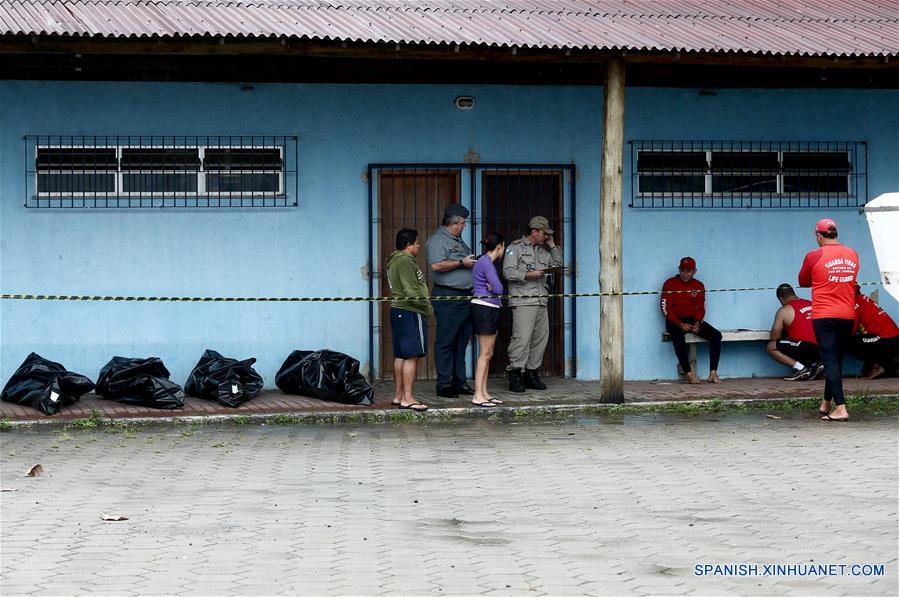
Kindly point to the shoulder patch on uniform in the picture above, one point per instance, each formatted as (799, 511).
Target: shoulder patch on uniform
(509, 251)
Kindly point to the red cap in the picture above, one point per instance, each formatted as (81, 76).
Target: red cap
(687, 263)
(826, 225)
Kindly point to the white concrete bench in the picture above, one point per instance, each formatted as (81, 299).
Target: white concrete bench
(741, 335)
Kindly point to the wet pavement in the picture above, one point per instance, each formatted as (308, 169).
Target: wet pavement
(563, 394)
(623, 505)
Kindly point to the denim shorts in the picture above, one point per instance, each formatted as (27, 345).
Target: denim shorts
(410, 334)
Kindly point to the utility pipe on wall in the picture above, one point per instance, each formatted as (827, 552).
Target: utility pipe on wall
(611, 308)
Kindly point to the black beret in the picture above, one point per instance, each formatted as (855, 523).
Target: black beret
(456, 209)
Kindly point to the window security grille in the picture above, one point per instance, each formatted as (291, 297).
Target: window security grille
(748, 174)
(157, 171)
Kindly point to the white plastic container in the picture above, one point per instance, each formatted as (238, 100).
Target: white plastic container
(883, 221)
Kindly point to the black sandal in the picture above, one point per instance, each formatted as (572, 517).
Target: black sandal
(413, 406)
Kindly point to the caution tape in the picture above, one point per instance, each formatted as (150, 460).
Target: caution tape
(351, 299)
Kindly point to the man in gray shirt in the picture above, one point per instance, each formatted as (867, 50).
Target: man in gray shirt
(450, 261)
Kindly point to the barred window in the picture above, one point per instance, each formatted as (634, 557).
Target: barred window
(160, 171)
(743, 171)
(672, 171)
(816, 172)
(62, 170)
(748, 174)
(243, 170)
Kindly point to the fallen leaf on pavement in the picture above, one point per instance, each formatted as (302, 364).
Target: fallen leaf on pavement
(113, 517)
(773, 417)
(35, 471)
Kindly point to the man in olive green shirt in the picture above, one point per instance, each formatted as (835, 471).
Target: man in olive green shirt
(408, 317)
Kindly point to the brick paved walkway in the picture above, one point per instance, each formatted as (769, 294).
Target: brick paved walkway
(561, 391)
(607, 506)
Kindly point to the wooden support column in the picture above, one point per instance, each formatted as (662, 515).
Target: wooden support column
(611, 308)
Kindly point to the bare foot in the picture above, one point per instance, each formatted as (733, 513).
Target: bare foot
(691, 377)
(824, 409)
(876, 371)
(713, 377)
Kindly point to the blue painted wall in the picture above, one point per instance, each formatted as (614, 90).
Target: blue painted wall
(744, 248)
(320, 247)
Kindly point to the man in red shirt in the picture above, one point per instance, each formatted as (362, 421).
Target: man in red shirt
(831, 271)
(793, 338)
(683, 305)
(878, 342)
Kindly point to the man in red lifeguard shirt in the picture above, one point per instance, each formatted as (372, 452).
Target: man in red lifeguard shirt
(831, 271)
(878, 344)
(683, 305)
(793, 338)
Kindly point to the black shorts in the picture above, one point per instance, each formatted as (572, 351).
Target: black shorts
(484, 319)
(875, 349)
(410, 334)
(799, 350)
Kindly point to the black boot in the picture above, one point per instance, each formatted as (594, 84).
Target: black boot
(515, 382)
(531, 381)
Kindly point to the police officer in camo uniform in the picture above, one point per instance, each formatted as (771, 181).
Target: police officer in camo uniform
(450, 261)
(524, 266)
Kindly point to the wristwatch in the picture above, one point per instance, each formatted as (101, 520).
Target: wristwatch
(461, 263)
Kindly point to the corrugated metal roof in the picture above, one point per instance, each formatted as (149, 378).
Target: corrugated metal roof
(801, 27)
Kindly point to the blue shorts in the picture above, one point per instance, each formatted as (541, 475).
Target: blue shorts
(410, 334)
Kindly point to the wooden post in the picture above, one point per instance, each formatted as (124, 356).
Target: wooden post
(611, 308)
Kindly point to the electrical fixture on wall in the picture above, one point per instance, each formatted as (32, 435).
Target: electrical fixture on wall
(464, 102)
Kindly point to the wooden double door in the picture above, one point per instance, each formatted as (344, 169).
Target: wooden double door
(506, 199)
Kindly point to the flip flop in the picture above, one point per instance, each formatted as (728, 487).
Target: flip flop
(496, 401)
(838, 419)
(484, 404)
(412, 406)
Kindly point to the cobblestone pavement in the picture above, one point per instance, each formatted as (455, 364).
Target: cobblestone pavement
(623, 505)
